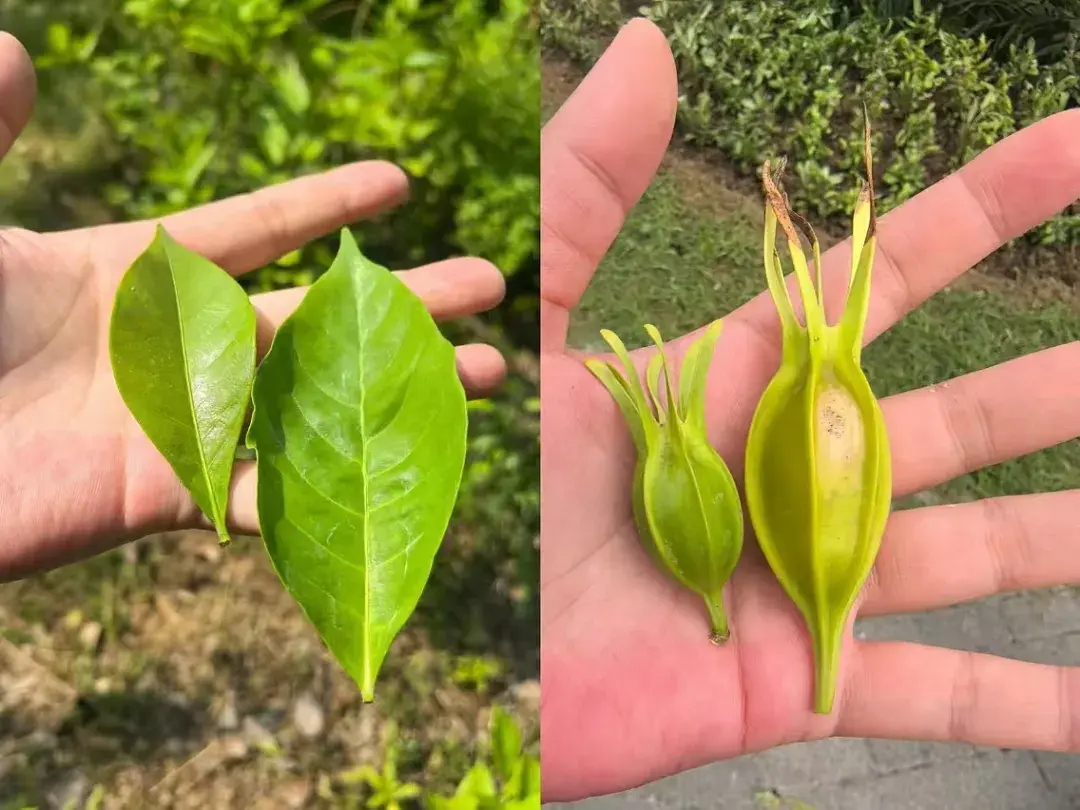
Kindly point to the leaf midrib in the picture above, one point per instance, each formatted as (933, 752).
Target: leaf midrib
(203, 467)
(366, 647)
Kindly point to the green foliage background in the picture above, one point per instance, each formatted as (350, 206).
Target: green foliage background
(762, 79)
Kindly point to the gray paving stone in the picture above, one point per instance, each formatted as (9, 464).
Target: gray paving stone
(891, 756)
(736, 781)
(793, 767)
(887, 628)
(1044, 613)
(1062, 773)
(998, 781)
(975, 626)
(1062, 650)
(619, 801)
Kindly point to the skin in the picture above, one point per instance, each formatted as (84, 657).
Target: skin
(77, 475)
(632, 690)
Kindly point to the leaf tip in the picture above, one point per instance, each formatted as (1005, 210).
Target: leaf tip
(347, 238)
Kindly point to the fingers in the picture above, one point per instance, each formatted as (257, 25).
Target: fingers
(449, 289)
(908, 691)
(598, 155)
(936, 236)
(18, 87)
(983, 418)
(943, 555)
(246, 232)
(481, 369)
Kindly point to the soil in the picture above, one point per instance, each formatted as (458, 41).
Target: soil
(176, 674)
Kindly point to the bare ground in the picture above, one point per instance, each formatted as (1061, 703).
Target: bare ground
(176, 674)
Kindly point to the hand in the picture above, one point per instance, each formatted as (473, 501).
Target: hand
(77, 474)
(632, 690)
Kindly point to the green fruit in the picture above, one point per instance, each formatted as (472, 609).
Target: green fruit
(685, 503)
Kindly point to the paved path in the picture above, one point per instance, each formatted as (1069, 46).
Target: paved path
(1041, 626)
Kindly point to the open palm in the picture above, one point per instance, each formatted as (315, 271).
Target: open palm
(77, 475)
(632, 690)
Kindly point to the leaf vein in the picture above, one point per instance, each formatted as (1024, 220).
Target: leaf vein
(307, 421)
(315, 384)
(347, 563)
(318, 491)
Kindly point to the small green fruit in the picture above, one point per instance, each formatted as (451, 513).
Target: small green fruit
(685, 503)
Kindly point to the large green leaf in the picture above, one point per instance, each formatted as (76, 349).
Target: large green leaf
(182, 345)
(359, 430)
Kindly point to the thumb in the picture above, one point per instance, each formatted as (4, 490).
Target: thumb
(18, 88)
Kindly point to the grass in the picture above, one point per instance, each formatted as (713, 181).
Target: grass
(679, 264)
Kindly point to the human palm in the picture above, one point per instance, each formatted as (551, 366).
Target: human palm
(77, 474)
(632, 690)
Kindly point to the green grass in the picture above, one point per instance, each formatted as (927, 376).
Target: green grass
(671, 266)
(678, 267)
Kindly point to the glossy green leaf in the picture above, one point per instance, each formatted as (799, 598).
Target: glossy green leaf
(818, 471)
(182, 345)
(359, 430)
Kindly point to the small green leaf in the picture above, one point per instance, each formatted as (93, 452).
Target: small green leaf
(182, 345)
(359, 429)
(524, 782)
(477, 783)
(274, 138)
(407, 791)
(505, 742)
(292, 86)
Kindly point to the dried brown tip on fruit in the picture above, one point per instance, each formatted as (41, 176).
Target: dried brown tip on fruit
(778, 201)
(804, 225)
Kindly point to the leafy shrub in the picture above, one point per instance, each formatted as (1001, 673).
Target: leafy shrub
(1052, 25)
(214, 97)
(762, 79)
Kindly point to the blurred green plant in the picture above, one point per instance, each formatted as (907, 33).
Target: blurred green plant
(508, 779)
(1052, 25)
(936, 98)
(477, 672)
(209, 98)
(503, 776)
(386, 791)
